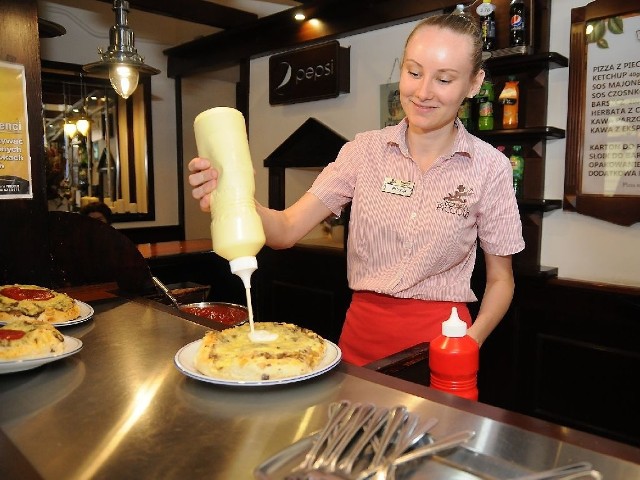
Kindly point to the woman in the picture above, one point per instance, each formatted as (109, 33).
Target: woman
(423, 193)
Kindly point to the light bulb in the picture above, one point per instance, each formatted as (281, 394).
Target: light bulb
(70, 129)
(124, 79)
(83, 126)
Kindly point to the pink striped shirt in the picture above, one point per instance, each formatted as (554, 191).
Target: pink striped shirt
(422, 244)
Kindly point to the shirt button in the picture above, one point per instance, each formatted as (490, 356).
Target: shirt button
(414, 215)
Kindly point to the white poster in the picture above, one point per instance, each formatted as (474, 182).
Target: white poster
(611, 161)
(15, 162)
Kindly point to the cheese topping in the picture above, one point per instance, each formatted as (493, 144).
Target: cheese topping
(234, 354)
(40, 338)
(48, 305)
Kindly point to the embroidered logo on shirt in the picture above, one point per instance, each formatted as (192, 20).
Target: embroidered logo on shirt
(398, 187)
(456, 203)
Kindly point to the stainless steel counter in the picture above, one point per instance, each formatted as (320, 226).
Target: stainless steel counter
(120, 409)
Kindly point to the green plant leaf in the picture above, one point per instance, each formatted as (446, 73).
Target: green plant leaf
(602, 43)
(614, 24)
(599, 29)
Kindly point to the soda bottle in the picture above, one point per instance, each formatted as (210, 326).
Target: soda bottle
(485, 106)
(517, 24)
(487, 24)
(464, 114)
(509, 99)
(517, 165)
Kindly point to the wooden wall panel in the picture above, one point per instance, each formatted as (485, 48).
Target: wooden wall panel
(23, 230)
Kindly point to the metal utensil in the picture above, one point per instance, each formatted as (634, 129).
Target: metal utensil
(166, 291)
(381, 472)
(387, 469)
(337, 413)
(574, 470)
(398, 416)
(378, 420)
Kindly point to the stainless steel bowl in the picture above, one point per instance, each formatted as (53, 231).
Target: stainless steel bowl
(228, 314)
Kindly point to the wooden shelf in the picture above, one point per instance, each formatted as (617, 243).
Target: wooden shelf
(531, 205)
(533, 133)
(507, 64)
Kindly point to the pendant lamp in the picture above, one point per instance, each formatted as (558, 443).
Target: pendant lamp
(121, 60)
(83, 124)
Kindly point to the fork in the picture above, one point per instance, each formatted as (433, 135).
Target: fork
(381, 472)
(338, 412)
(386, 470)
(567, 472)
(345, 422)
(377, 421)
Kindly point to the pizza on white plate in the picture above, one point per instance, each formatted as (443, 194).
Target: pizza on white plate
(31, 302)
(23, 339)
(285, 351)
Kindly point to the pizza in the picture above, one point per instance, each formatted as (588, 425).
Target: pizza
(22, 339)
(30, 302)
(232, 354)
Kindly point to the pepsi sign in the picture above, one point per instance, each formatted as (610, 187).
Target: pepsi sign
(310, 73)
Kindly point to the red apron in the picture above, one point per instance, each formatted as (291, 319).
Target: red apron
(377, 326)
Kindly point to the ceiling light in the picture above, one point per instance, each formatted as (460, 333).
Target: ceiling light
(121, 60)
(83, 126)
(70, 128)
(299, 16)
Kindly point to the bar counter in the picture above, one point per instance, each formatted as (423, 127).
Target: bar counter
(121, 409)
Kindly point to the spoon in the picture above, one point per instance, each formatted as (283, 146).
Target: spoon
(166, 291)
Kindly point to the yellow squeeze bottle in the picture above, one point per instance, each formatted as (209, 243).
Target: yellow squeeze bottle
(236, 229)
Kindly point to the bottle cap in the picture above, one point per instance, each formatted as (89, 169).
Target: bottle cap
(454, 327)
(485, 8)
(244, 268)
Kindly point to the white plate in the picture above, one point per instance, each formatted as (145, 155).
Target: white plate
(71, 345)
(185, 356)
(86, 312)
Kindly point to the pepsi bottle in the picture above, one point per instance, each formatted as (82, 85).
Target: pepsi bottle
(517, 24)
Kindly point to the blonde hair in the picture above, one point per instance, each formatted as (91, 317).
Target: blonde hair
(462, 24)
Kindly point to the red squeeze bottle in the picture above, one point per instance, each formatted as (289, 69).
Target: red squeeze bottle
(454, 358)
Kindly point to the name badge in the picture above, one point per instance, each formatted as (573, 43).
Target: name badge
(398, 187)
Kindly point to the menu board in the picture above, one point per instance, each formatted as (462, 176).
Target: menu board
(15, 161)
(611, 161)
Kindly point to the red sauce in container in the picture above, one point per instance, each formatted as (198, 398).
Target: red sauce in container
(225, 313)
(17, 293)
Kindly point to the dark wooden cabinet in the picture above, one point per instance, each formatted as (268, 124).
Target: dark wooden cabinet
(578, 356)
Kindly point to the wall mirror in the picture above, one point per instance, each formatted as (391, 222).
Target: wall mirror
(602, 165)
(98, 146)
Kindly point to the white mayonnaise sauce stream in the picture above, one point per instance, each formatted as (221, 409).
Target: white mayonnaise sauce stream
(257, 335)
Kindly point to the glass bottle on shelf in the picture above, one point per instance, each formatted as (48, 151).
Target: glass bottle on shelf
(464, 114)
(509, 98)
(485, 100)
(517, 24)
(486, 12)
(517, 166)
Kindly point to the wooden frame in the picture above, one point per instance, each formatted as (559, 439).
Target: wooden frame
(610, 205)
(129, 122)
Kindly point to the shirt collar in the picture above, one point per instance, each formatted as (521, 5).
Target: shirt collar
(462, 145)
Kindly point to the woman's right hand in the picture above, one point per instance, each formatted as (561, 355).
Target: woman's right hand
(203, 179)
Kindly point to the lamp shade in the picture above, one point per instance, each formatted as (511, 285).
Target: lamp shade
(83, 126)
(121, 59)
(124, 79)
(70, 129)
